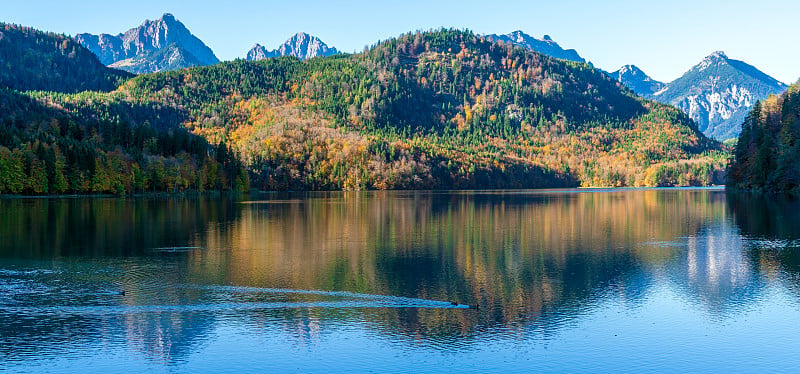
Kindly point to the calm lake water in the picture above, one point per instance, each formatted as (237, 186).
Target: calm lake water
(675, 280)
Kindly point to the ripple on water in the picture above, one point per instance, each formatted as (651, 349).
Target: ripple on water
(137, 288)
(775, 244)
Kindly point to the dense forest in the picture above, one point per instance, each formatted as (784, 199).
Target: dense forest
(35, 60)
(45, 149)
(52, 142)
(444, 109)
(767, 155)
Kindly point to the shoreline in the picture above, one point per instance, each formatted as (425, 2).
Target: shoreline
(227, 193)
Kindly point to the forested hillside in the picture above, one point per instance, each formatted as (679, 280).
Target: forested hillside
(88, 146)
(767, 155)
(35, 60)
(445, 109)
(92, 142)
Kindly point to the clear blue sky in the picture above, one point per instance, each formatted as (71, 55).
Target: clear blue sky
(664, 38)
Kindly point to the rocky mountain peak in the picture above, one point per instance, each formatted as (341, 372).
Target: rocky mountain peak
(149, 37)
(718, 55)
(718, 93)
(259, 52)
(630, 69)
(636, 79)
(166, 22)
(518, 36)
(300, 45)
(715, 58)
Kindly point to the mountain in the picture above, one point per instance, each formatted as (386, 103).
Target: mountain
(60, 132)
(300, 45)
(36, 60)
(546, 45)
(767, 154)
(434, 110)
(143, 44)
(635, 79)
(171, 57)
(718, 93)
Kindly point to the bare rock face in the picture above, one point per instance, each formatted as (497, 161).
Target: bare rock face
(300, 45)
(146, 40)
(107, 48)
(259, 52)
(171, 57)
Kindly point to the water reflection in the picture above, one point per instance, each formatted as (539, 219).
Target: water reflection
(524, 257)
(716, 270)
(100, 227)
(536, 263)
(770, 225)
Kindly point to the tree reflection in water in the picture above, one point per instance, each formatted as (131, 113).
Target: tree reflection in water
(535, 262)
(770, 226)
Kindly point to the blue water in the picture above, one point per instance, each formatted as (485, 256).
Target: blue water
(674, 280)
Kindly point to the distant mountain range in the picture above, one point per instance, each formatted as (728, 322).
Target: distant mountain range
(545, 46)
(300, 45)
(506, 118)
(717, 93)
(163, 44)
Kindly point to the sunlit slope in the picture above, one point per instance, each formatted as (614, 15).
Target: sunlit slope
(443, 109)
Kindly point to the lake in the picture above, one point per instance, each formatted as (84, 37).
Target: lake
(667, 280)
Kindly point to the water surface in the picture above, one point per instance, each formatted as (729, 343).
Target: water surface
(671, 280)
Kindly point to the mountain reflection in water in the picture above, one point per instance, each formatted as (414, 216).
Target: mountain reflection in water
(79, 277)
